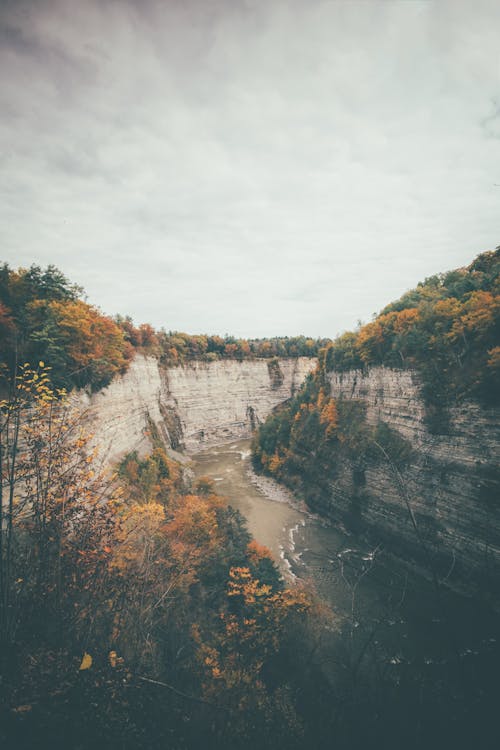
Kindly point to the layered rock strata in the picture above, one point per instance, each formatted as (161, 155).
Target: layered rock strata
(192, 407)
(451, 482)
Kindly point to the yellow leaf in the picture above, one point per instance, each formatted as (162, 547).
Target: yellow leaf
(22, 709)
(86, 662)
(112, 658)
(41, 364)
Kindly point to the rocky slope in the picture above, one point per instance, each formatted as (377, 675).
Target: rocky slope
(451, 481)
(193, 406)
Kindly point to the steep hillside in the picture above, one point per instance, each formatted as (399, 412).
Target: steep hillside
(382, 450)
(447, 329)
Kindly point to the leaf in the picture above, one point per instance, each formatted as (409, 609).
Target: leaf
(22, 709)
(86, 662)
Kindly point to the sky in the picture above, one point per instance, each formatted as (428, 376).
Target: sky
(258, 168)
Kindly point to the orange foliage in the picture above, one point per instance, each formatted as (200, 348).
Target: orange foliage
(274, 463)
(480, 311)
(329, 416)
(148, 336)
(91, 341)
(373, 336)
(257, 552)
(370, 339)
(404, 320)
(192, 535)
(232, 659)
(494, 359)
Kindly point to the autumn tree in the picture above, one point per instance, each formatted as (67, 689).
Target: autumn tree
(58, 523)
(444, 329)
(42, 317)
(238, 658)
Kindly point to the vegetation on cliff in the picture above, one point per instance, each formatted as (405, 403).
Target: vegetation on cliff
(325, 449)
(177, 348)
(135, 611)
(43, 316)
(447, 328)
(304, 442)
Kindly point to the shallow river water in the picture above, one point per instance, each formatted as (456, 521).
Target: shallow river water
(366, 588)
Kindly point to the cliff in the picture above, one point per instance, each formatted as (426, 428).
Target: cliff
(452, 481)
(192, 406)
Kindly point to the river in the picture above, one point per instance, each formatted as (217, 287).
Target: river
(371, 594)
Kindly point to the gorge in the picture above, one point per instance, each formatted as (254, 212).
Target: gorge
(451, 480)
(192, 406)
(332, 508)
(207, 412)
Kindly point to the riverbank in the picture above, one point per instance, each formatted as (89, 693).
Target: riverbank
(392, 620)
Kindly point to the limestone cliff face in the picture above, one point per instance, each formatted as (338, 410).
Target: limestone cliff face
(219, 401)
(118, 416)
(452, 481)
(194, 406)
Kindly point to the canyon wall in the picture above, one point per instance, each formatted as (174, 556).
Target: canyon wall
(193, 406)
(451, 482)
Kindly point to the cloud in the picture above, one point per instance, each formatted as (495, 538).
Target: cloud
(257, 168)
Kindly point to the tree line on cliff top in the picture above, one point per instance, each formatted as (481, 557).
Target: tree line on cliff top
(43, 316)
(137, 612)
(447, 328)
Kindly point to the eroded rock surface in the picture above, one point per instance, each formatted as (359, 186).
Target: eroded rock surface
(452, 481)
(194, 406)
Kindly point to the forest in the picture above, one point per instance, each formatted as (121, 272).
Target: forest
(136, 611)
(135, 608)
(43, 316)
(447, 328)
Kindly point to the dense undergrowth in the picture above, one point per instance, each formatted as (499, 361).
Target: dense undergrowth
(136, 611)
(304, 442)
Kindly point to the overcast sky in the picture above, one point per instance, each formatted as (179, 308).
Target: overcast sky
(260, 168)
